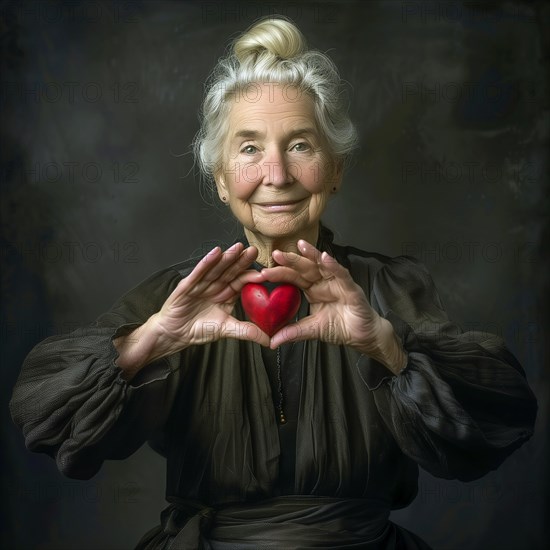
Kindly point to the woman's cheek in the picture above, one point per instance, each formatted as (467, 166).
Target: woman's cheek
(315, 176)
(315, 205)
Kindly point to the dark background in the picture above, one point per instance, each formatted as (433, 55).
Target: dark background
(99, 105)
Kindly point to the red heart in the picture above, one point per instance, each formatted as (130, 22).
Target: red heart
(270, 312)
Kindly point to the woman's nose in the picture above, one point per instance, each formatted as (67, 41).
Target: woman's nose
(275, 169)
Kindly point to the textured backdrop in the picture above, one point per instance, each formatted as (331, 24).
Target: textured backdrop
(99, 106)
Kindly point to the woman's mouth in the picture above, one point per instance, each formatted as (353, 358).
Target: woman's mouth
(279, 206)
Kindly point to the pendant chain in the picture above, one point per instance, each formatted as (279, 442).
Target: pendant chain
(282, 417)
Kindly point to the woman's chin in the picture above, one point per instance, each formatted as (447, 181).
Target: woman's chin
(277, 229)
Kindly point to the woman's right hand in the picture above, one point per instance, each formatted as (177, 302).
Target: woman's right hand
(198, 311)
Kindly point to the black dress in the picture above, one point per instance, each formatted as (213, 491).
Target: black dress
(460, 407)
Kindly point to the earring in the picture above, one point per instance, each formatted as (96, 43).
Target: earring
(224, 198)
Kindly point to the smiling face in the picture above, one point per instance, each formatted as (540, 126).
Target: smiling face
(277, 174)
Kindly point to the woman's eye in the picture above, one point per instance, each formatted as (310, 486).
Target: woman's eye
(249, 149)
(302, 146)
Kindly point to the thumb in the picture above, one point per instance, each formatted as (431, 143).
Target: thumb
(244, 330)
(308, 328)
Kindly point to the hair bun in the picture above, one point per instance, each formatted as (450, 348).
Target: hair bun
(278, 37)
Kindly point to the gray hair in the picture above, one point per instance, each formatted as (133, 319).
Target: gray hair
(271, 51)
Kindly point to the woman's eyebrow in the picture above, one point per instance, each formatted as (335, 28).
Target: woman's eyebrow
(255, 134)
(250, 134)
(303, 131)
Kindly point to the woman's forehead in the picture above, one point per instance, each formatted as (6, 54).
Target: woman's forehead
(273, 107)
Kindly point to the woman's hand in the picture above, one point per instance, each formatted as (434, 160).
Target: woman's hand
(197, 311)
(339, 310)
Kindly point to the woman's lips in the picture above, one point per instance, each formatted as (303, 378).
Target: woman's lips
(279, 206)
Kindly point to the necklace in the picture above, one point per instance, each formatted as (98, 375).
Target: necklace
(282, 417)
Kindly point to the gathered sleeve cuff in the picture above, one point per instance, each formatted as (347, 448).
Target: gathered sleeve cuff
(462, 404)
(71, 401)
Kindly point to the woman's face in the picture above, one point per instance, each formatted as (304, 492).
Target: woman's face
(277, 175)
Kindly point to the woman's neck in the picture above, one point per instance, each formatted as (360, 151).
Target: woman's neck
(266, 245)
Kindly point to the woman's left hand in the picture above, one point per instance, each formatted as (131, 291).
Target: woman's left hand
(339, 310)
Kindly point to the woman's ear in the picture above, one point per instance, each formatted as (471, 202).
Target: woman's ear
(221, 188)
(338, 172)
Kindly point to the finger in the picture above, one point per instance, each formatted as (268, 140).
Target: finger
(328, 266)
(231, 256)
(233, 288)
(283, 274)
(321, 258)
(330, 269)
(243, 330)
(225, 279)
(199, 271)
(283, 257)
(307, 250)
(313, 264)
(249, 276)
(307, 268)
(308, 328)
(242, 264)
(208, 268)
(233, 259)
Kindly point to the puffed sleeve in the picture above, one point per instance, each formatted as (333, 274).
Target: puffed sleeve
(70, 399)
(462, 404)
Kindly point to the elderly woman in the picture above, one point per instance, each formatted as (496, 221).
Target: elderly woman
(302, 438)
